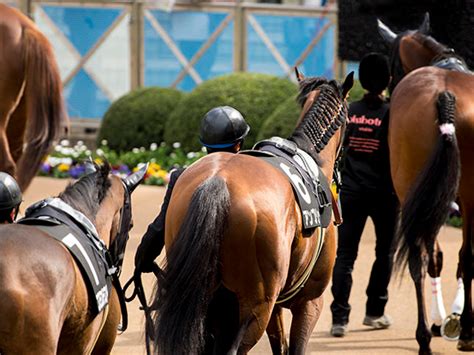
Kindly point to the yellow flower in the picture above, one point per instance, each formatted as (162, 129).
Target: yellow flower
(162, 173)
(98, 161)
(63, 167)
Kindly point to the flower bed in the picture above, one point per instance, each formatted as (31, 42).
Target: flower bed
(68, 161)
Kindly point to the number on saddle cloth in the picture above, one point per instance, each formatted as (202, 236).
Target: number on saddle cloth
(308, 181)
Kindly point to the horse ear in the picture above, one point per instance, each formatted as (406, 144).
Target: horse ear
(132, 181)
(348, 82)
(425, 26)
(89, 166)
(299, 76)
(387, 34)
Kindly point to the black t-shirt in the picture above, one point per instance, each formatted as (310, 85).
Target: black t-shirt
(366, 166)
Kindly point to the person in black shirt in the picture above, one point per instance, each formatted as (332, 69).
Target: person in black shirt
(366, 191)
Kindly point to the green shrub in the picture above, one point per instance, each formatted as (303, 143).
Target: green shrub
(255, 95)
(356, 93)
(138, 118)
(282, 121)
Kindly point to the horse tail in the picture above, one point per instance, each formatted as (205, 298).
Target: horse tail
(191, 274)
(428, 201)
(46, 113)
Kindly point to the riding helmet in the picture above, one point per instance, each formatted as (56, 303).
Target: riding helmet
(223, 127)
(374, 72)
(10, 193)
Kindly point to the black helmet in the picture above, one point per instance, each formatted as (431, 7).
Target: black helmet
(223, 127)
(10, 193)
(374, 72)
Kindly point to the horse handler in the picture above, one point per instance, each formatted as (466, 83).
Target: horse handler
(10, 198)
(366, 191)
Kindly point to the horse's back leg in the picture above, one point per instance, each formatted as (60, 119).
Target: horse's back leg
(438, 312)
(417, 263)
(276, 332)
(466, 340)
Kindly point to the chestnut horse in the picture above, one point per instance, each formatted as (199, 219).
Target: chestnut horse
(431, 139)
(45, 305)
(32, 111)
(234, 244)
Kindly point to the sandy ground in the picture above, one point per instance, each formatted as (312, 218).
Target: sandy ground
(399, 339)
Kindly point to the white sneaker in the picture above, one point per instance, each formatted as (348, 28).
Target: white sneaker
(338, 330)
(382, 322)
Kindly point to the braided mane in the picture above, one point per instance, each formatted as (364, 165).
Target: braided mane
(323, 119)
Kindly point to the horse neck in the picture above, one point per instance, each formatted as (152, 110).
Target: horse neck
(328, 156)
(108, 216)
(418, 50)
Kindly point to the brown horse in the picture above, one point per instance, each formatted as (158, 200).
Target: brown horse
(235, 243)
(431, 140)
(31, 106)
(45, 305)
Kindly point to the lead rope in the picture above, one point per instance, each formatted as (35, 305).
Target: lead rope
(139, 292)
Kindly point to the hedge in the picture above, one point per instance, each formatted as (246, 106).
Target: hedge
(282, 121)
(138, 118)
(255, 95)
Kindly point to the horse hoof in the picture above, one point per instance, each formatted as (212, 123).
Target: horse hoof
(436, 330)
(465, 345)
(451, 327)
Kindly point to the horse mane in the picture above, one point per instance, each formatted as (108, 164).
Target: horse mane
(86, 194)
(323, 119)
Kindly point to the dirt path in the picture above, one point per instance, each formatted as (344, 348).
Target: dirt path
(399, 339)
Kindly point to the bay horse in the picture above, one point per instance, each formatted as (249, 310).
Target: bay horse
(32, 111)
(45, 304)
(431, 140)
(234, 244)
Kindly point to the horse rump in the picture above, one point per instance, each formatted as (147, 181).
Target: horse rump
(428, 201)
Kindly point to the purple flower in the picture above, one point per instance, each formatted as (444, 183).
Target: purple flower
(124, 169)
(77, 171)
(45, 168)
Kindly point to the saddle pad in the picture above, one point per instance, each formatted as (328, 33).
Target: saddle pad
(91, 262)
(308, 201)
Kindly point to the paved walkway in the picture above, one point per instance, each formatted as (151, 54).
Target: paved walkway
(399, 339)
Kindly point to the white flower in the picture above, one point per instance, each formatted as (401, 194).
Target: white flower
(136, 150)
(67, 161)
(104, 142)
(58, 148)
(153, 146)
(64, 142)
(142, 149)
(203, 149)
(173, 155)
(99, 152)
(88, 152)
(191, 155)
(176, 145)
(79, 143)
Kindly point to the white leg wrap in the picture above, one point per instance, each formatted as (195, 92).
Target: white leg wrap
(458, 303)
(438, 312)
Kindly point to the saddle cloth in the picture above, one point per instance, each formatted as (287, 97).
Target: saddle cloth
(309, 184)
(80, 237)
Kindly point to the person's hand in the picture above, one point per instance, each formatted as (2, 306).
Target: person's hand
(144, 257)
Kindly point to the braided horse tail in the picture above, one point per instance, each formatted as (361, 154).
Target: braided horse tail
(427, 204)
